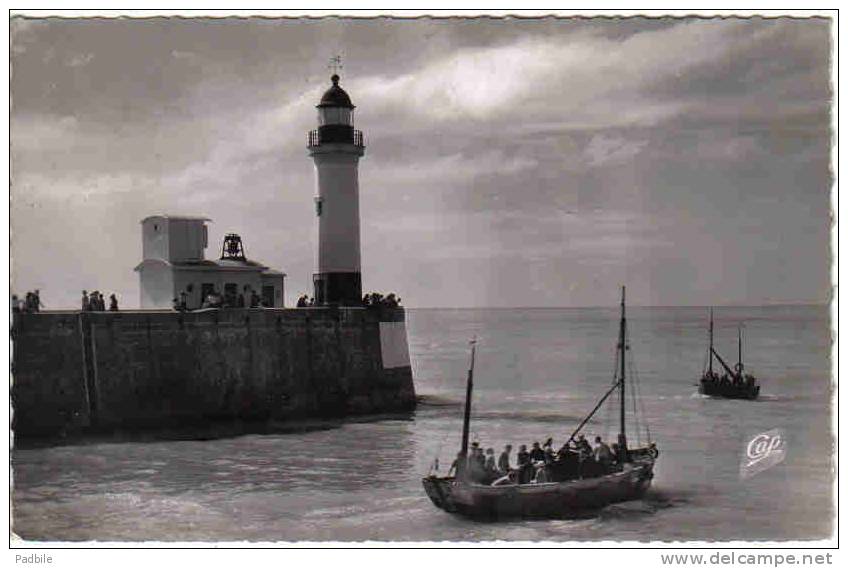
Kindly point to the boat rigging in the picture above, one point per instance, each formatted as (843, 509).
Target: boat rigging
(563, 486)
(735, 383)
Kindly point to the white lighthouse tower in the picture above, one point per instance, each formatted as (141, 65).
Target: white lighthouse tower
(336, 148)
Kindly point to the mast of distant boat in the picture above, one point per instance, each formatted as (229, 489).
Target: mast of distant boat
(468, 388)
(739, 366)
(622, 435)
(711, 342)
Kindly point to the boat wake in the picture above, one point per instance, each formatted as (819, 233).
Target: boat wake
(654, 500)
(626, 510)
(760, 398)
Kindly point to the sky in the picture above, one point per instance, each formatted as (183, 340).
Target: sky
(509, 162)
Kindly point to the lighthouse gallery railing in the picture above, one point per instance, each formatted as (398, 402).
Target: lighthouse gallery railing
(328, 135)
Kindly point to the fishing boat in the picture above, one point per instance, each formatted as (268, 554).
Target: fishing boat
(734, 383)
(558, 489)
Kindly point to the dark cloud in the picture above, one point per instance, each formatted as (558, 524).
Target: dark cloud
(509, 161)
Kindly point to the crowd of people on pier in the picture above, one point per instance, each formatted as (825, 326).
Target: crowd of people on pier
(31, 302)
(248, 298)
(575, 459)
(370, 300)
(91, 302)
(375, 299)
(94, 302)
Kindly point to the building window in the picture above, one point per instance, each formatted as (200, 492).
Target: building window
(230, 294)
(206, 289)
(268, 296)
(335, 115)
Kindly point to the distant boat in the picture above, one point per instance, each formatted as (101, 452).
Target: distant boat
(562, 488)
(735, 383)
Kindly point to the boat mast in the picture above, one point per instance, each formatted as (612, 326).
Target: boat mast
(622, 435)
(711, 342)
(466, 420)
(739, 366)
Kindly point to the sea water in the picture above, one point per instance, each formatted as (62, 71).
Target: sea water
(538, 373)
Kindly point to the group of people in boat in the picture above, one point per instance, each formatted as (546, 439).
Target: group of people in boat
(737, 380)
(575, 459)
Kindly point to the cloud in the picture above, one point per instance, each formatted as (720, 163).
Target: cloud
(539, 235)
(452, 169)
(505, 156)
(23, 32)
(187, 55)
(591, 81)
(609, 150)
(80, 60)
(42, 133)
(564, 74)
(736, 148)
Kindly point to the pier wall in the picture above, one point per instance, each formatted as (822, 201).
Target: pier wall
(79, 371)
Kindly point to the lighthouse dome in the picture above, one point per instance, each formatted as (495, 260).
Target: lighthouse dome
(335, 96)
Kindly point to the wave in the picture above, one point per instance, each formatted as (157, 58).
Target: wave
(448, 408)
(654, 500)
(437, 401)
(773, 397)
(768, 397)
(527, 416)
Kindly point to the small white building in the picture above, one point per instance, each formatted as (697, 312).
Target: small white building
(174, 263)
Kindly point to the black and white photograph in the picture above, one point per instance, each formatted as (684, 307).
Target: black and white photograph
(385, 278)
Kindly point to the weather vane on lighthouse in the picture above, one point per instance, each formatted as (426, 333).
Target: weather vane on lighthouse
(335, 64)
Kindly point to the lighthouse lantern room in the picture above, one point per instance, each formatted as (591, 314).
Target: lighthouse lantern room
(335, 147)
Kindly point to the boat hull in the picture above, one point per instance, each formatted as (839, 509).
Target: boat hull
(565, 499)
(728, 390)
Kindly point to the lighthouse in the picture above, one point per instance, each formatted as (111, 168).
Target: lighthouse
(335, 147)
